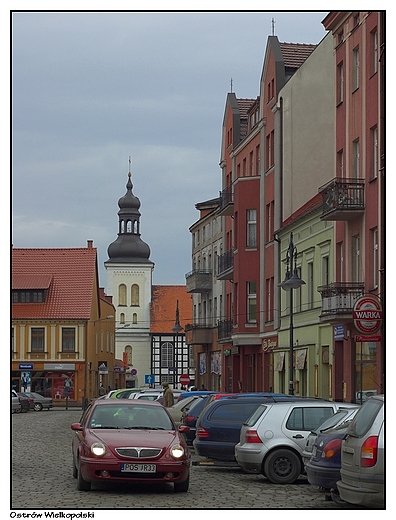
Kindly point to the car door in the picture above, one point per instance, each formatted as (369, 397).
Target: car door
(302, 419)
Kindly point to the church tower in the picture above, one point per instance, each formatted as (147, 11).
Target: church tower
(129, 280)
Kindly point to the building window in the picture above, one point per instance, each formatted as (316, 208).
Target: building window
(134, 318)
(270, 155)
(68, 339)
(356, 159)
(374, 148)
(355, 68)
(356, 258)
(135, 295)
(325, 270)
(251, 164)
(122, 318)
(340, 164)
(251, 302)
(258, 160)
(270, 299)
(251, 228)
(340, 83)
(37, 339)
(375, 257)
(167, 354)
(244, 173)
(374, 51)
(269, 228)
(122, 295)
(310, 285)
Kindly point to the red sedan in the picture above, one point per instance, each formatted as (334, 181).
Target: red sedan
(127, 440)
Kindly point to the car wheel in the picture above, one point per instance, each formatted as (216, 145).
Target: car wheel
(82, 485)
(38, 407)
(182, 487)
(282, 467)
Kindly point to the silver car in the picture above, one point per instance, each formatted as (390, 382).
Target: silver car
(273, 438)
(363, 457)
(40, 401)
(346, 413)
(16, 404)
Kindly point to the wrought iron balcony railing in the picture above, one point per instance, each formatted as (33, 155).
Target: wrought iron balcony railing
(343, 199)
(225, 265)
(226, 201)
(224, 330)
(338, 299)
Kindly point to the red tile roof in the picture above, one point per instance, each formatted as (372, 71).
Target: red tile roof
(69, 274)
(163, 307)
(294, 54)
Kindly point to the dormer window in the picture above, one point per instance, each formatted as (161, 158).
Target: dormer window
(28, 296)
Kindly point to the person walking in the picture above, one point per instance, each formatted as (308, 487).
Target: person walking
(168, 399)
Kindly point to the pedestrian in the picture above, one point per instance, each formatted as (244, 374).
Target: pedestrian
(168, 399)
(102, 390)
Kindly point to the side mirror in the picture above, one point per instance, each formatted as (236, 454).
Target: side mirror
(184, 429)
(76, 427)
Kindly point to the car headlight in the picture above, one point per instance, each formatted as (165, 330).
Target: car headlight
(98, 449)
(177, 451)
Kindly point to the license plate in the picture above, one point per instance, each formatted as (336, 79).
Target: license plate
(138, 468)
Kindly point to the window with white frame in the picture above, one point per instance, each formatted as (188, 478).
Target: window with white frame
(251, 302)
(251, 238)
(356, 159)
(356, 258)
(355, 68)
(167, 354)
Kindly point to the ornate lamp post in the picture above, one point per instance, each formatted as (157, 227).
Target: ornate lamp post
(291, 281)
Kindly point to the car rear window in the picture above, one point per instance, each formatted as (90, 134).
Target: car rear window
(364, 418)
(250, 421)
(238, 411)
(308, 418)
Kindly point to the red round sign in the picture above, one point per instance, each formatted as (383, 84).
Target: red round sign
(184, 379)
(367, 314)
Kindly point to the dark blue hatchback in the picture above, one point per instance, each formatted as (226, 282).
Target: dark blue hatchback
(219, 425)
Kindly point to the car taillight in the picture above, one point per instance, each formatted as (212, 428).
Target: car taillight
(252, 437)
(202, 433)
(368, 452)
(332, 448)
(188, 419)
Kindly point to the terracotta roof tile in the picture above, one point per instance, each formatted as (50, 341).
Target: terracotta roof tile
(163, 307)
(294, 54)
(72, 273)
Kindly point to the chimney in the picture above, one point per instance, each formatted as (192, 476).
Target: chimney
(89, 244)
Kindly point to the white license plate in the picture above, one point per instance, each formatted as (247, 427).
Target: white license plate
(138, 468)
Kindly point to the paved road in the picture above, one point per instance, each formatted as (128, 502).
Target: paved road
(42, 478)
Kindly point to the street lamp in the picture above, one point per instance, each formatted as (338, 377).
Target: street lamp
(176, 329)
(291, 281)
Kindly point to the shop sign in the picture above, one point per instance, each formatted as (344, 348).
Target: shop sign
(59, 366)
(367, 314)
(268, 344)
(25, 366)
(362, 339)
(338, 332)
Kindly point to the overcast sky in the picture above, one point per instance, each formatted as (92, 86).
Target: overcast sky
(90, 89)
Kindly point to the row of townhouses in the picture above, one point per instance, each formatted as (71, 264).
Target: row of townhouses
(286, 287)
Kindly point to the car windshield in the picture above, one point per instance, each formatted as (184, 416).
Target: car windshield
(130, 417)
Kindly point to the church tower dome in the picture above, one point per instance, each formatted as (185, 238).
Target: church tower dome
(128, 247)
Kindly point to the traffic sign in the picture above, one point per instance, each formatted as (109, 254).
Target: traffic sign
(184, 379)
(149, 379)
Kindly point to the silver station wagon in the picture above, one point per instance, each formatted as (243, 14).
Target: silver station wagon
(273, 438)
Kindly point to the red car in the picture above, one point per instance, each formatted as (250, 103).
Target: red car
(128, 440)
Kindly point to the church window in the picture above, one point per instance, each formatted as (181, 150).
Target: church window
(134, 295)
(122, 294)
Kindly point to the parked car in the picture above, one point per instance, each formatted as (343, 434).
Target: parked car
(219, 424)
(16, 404)
(177, 410)
(25, 402)
(363, 457)
(153, 395)
(123, 393)
(272, 439)
(190, 416)
(129, 440)
(39, 401)
(344, 414)
(29, 399)
(323, 468)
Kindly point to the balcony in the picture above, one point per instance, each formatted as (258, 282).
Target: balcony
(338, 299)
(198, 334)
(343, 199)
(224, 330)
(225, 265)
(199, 281)
(226, 202)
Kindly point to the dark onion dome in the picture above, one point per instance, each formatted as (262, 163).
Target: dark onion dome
(128, 247)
